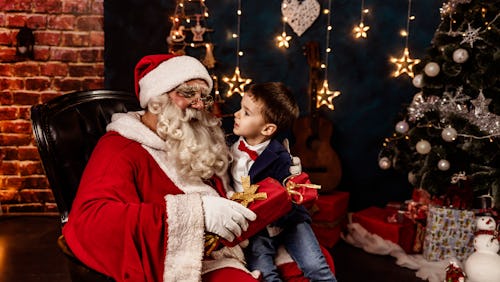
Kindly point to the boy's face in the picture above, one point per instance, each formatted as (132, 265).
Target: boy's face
(249, 122)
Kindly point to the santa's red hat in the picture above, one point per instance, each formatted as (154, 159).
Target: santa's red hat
(159, 74)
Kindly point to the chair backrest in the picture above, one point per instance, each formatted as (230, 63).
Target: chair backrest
(66, 131)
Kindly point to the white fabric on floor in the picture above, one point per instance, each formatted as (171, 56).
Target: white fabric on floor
(433, 271)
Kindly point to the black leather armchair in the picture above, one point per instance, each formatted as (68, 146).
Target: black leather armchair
(66, 131)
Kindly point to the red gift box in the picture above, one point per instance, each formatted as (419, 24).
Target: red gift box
(375, 220)
(276, 204)
(329, 217)
(328, 208)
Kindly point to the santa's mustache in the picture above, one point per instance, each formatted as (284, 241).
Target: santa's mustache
(192, 115)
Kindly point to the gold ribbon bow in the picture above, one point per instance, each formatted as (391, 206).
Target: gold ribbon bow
(211, 243)
(249, 193)
(290, 187)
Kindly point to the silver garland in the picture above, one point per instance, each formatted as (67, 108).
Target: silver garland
(455, 104)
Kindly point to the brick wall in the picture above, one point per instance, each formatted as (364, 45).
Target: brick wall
(68, 56)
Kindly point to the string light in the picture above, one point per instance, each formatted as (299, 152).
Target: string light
(361, 29)
(405, 63)
(236, 82)
(325, 96)
(283, 38)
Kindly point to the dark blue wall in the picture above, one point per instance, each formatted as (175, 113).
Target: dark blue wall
(365, 112)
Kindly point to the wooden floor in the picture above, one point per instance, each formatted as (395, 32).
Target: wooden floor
(29, 253)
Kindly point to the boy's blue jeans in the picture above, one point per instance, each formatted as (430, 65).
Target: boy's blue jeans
(301, 244)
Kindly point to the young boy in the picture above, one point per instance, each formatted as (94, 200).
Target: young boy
(267, 109)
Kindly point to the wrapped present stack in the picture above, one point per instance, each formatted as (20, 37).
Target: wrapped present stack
(270, 200)
(329, 217)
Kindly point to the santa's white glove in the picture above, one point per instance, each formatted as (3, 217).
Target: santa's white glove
(296, 166)
(226, 218)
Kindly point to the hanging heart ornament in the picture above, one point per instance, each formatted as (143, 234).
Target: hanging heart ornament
(300, 14)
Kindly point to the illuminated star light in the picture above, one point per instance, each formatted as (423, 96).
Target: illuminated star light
(404, 64)
(325, 96)
(283, 40)
(236, 83)
(360, 30)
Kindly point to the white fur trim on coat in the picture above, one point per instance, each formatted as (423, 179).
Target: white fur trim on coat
(185, 242)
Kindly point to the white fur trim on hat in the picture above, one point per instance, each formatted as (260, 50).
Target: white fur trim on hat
(170, 74)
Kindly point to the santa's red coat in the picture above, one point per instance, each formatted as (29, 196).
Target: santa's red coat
(135, 219)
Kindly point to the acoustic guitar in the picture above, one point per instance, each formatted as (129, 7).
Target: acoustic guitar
(313, 133)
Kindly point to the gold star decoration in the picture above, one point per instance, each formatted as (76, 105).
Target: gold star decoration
(283, 40)
(325, 96)
(249, 193)
(404, 64)
(360, 30)
(236, 83)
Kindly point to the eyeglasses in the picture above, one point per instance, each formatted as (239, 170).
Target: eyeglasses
(206, 99)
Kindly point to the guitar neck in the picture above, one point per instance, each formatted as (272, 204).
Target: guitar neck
(314, 74)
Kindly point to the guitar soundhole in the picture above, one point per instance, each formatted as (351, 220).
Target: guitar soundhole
(313, 142)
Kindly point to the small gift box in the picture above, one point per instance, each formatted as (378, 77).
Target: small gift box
(329, 217)
(301, 190)
(268, 199)
(329, 208)
(376, 220)
(449, 233)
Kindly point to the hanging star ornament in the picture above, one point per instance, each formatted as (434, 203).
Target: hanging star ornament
(480, 104)
(283, 40)
(470, 36)
(360, 30)
(404, 64)
(236, 83)
(325, 96)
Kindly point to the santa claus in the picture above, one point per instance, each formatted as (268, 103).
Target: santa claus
(156, 184)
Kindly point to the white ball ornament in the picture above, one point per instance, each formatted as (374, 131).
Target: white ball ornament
(443, 165)
(449, 134)
(460, 55)
(402, 127)
(418, 80)
(423, 147)
(431, 69)
(384, 163)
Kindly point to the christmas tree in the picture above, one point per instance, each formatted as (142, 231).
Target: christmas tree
(450, 132)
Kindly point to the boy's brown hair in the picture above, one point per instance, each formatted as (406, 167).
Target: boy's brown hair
(279, 105)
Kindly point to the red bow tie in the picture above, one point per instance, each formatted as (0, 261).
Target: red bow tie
(253, 155)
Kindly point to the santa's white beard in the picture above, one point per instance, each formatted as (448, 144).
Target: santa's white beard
(194, 140)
